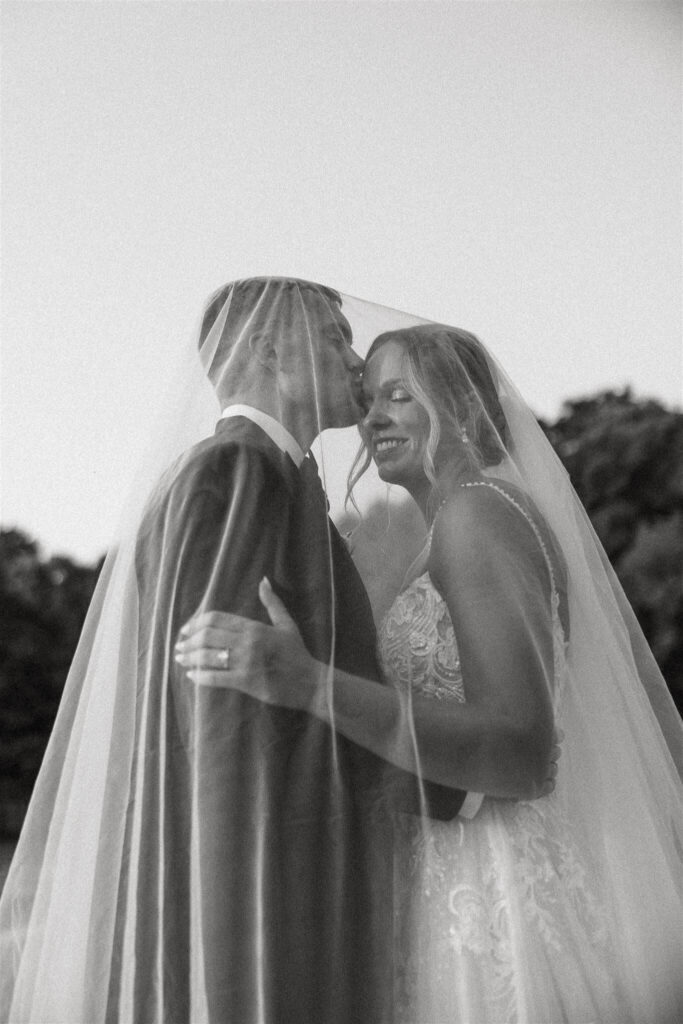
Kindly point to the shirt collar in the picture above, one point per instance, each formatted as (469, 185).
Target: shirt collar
(278, 434)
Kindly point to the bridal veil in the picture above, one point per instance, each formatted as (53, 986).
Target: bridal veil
(180, 841)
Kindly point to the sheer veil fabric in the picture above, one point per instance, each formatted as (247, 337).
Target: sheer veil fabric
(567, 908)
(191, 853)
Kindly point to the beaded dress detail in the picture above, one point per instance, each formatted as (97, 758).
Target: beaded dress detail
(491, 896)
(417, 644)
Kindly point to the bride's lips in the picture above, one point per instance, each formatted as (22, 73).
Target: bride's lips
(385, 447)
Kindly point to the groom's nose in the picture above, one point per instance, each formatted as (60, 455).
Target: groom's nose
(355, 363)
(354, 368)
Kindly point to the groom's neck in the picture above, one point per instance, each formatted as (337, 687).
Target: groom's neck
(301, 422)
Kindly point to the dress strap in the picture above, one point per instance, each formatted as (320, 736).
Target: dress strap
(530, 521)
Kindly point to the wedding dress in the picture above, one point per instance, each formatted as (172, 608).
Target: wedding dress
(502, 923)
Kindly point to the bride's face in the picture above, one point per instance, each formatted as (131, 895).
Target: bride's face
(395, 426)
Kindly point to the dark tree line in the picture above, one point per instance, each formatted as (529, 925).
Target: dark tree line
(624, 457)
(42, 607)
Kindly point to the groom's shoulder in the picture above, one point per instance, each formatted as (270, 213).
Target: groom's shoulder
(229, 458)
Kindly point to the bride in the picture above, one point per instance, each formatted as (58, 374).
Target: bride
(510, 621)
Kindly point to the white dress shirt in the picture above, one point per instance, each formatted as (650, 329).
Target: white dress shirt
(278, 434)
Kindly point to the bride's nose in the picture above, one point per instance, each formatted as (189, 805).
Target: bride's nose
(375, 417)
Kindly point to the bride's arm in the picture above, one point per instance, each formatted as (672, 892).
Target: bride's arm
(498, 742)
(467, 746)
(489, 567)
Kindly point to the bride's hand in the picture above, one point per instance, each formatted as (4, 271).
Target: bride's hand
(269, 663)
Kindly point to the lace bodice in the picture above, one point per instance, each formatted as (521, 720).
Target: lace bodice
(417, 646)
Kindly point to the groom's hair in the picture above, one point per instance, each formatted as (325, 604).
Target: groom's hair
(247, 307)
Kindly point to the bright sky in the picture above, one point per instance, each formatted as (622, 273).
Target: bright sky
(513, 168)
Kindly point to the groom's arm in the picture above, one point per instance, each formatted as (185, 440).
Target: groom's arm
(227, 531)
(218, 532)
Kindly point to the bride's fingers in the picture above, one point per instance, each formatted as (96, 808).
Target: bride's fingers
(208, 658)
(208, 637)
(218, 680)
(233, 661)
(216, 620)
(279, 615)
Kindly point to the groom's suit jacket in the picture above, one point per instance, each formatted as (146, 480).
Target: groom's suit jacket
(288, 822)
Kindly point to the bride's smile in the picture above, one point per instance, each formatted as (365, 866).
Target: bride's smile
(396, 427)
(383, 446)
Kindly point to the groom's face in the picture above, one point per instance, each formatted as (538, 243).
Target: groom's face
(339, 373)
(326, 368)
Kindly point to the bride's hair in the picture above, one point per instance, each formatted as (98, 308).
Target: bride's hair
(447, 372)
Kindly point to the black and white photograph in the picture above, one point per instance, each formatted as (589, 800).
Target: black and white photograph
(341, 550)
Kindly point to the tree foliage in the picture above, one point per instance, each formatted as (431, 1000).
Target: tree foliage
(43, 606)
(624, 457)
(625, 460)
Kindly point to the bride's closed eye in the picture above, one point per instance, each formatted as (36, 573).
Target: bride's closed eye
(393, 393)
(399, 394)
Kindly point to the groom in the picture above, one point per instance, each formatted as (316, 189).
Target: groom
(277, 833)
